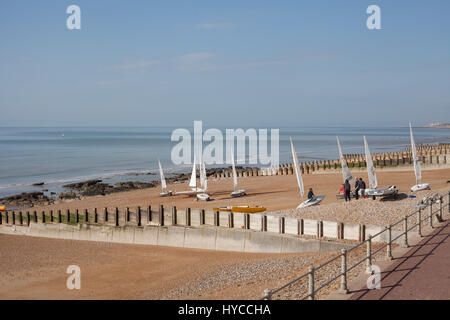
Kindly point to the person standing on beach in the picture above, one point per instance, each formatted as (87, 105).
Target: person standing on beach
(362, 186)
(310, 194)
(347, 190)
(357, 189)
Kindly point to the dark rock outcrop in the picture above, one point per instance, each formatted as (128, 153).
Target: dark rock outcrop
(27, 199)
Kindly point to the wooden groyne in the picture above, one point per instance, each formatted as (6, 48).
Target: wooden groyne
(429, 156)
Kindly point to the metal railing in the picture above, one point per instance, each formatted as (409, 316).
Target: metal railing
(345, 269)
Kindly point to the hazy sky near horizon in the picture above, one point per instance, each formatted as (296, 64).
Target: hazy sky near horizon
(233, 63)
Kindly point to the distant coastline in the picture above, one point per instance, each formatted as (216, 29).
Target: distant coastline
(438, 126)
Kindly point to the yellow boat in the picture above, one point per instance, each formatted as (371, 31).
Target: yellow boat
(243, 209)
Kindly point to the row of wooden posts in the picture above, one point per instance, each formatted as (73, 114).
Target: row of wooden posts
(18, 218)
(146, 217)
(310, 167)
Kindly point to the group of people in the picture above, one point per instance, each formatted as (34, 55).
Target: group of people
(346, 189)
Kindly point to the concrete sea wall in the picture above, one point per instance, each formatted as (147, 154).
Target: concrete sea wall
(211, 238)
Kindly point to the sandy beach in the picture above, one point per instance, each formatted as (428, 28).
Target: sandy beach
(179, 273)
(279, 194)
(119, 271)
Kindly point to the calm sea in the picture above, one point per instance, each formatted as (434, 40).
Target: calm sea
(59, 156)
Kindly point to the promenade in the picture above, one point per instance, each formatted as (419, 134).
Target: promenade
(423, 273)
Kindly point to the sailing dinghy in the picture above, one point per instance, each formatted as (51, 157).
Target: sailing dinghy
(373, 183)
(164, 191)
(417, 170)
(204, 183)
(346, 173)
(193, 182)
(310, 202)
(235, 193)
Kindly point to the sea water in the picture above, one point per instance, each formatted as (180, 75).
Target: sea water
(58, 156)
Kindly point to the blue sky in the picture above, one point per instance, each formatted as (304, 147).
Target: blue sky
(231, 63)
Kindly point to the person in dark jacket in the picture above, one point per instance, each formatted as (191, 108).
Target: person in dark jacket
(362, 186)
(310, 194)
(357, 189)
(347, 190)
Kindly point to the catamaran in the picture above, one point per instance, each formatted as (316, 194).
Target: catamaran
(346, 173)
(235, 193)
(164, 191)
(373, 183)
(204, 196)
(417, 170)
(312, 201)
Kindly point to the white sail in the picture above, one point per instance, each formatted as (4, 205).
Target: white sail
(234, 170)
(193, 181)
(346, 174)
(161, 174)
(370, 168)
(203, 179)
(298, 173)
(415, 158)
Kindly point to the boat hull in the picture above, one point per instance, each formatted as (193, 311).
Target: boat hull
(420, 187)
(203, 196)
(242, 209)
(238, 193)
(311, 202)
(382, 192)
(166, 193)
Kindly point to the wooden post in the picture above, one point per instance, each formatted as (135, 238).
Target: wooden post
(43, 216)
(117, 217)
(68, 216)
(230, 220)
(202, 216)
(127, 213)
(51, 215)
(86, 215)
(20, 217)
(149, 214)
(216, 218)
(138, 211)
(95, 215)
(161, 215)
(106, 214)
(77, 216)
(13, 218)
(34, 215)
(281, 225)
(174, 215)
(188, 217)
(1, 222)
(59, 216)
